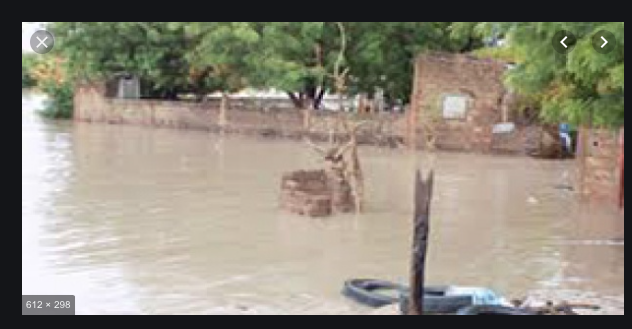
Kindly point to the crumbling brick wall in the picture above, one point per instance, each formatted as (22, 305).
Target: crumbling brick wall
(479, 81)
(314, 193)
(91, 105)
(600, 165)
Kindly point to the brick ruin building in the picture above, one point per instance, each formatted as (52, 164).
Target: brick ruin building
(470, 110)
(468, 106)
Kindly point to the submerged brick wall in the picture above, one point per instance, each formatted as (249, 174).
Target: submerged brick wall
(438, 76)
(92, 106)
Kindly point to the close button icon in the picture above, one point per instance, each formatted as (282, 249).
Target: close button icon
(42, 41)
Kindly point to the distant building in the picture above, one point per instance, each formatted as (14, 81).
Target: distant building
(123, 85)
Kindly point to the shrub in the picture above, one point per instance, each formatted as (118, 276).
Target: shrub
(28, 81)
(60, 104)
(50, 72)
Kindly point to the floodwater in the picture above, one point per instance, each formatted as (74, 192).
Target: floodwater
(134, 220)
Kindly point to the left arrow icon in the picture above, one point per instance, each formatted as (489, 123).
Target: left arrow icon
(562, 42)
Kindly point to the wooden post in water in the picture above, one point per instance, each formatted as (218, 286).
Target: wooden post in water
(423, 198)
(223, 121)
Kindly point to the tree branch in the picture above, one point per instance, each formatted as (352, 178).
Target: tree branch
(297, 102)
(315, 147)
(343, 46)
(345, 148)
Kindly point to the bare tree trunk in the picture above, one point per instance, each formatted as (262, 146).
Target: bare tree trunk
(423, 198)
(223, 121)
(344, 161)
(332, 130)
(341, 104)
(358, 177)
(307, 120)
(361, 104)
(319, 98)
(413, 110)
(297, 101)
(340, 77)
(354, 169)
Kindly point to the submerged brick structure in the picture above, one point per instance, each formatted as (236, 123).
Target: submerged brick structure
(315, 193)
(92, 105)
(451, 80)
(466, 98)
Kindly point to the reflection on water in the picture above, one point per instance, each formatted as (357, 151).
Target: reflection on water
(158, 221)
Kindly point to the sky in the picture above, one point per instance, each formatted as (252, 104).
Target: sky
(28, 28)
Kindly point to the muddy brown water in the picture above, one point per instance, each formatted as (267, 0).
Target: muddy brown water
(134, 220)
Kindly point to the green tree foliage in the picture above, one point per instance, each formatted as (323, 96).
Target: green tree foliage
(150, 50)
(28, 61)
(586, 85)
(60, 102)
(222, 55)
(292, 58)
(381, 54)
(51, 75)
(297, 57)
(300, 56)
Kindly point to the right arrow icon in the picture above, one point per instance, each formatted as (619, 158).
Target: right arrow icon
(603, 41)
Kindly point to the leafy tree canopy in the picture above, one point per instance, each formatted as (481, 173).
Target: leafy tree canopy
(586, 85)
(301, 57)
(298, 57)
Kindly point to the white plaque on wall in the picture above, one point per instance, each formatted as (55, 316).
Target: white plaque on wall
(455, 106)
(504, 128)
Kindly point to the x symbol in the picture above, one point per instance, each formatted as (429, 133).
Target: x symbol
(47, 304)
(41, 42)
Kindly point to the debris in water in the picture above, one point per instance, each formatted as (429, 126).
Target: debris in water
(564, 187)
(541, 307)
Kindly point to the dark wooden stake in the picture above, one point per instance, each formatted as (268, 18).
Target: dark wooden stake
(423, 197)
